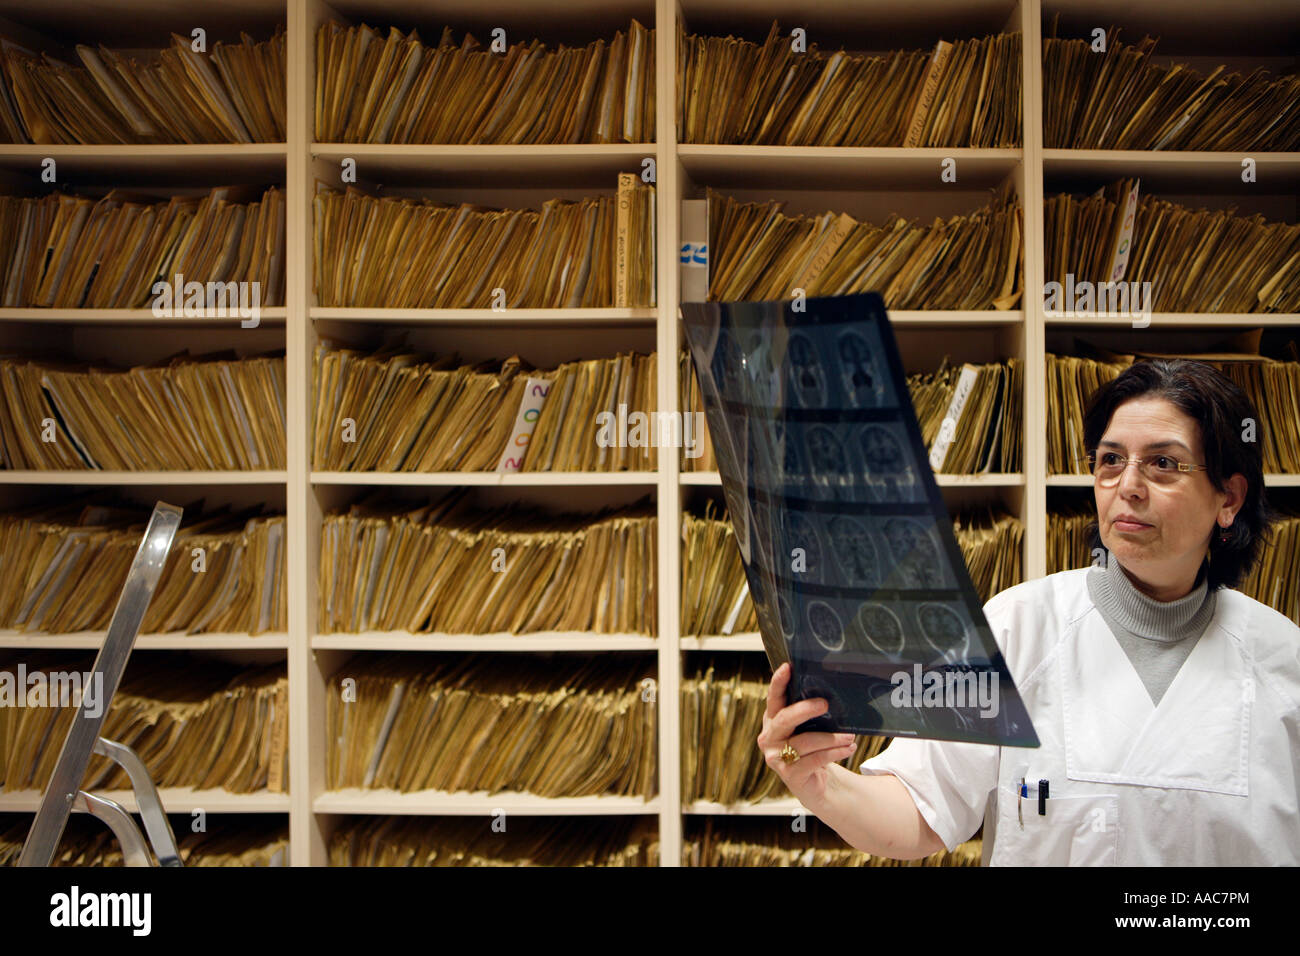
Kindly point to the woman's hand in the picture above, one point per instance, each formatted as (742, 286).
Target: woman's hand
(807, 776)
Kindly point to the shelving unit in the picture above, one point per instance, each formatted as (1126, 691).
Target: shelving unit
(866, 182)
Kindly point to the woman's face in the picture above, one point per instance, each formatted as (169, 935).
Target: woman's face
(1163, 552)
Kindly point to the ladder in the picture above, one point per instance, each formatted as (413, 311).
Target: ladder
(64, 795)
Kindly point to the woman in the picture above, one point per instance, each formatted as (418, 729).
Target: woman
(1167, 708)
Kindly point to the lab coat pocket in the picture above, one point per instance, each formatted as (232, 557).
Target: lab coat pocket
(1076, 831)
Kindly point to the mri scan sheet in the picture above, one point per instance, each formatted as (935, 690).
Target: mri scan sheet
(848, 548)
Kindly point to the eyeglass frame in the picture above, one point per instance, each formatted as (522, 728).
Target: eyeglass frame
(1183, 466)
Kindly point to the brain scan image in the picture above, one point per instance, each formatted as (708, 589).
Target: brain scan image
(825, 453)
(875, 626)
(903, 535)
(730, 365)
(881, 452)
(800, 533)
(914, 553)
(854, 552)
(768, 444)
(807, 379)
(944, 631)
(863, 386)
(825, 626)
(760, 372)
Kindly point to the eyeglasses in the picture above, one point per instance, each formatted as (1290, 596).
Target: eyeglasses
(1107, 466)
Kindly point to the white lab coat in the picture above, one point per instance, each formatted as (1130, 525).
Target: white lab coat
(1209, 777)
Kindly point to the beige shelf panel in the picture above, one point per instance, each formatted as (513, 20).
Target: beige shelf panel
(273, 315)
(1173, 167)
(216, 161)
(594, 164)
(1177, 320)
(741, 641)
(785, 807)
(944, 481)
(846, 167)
(149, 642)
(90, 476)
(489, 316)
(477, 803)
(174, 800)
(541, 641)
(484, 478)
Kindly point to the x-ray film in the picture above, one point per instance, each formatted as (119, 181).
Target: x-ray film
(848, 548)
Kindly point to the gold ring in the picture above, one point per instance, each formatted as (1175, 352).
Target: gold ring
(789, 754)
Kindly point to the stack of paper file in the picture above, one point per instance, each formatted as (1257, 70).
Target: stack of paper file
(234, 94)
(558, 727)
(447, 568)
(394, 252)
(206, 727)
(474, 841)
(69, 561)
(371, 89)
(250, 840)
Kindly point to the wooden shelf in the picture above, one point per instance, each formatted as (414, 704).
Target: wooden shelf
(955, 318)
(270, 316)
(90, 476)
(784, 807)
(484, 478)
(165, 164)
(740, 641)
(477, 803)
(944, 481)
(489, 317)
(1069, 481)
(1172, 169)
(844, 167)
(592, 165)
(541, 641)
(1176, 320)
(149, 642)
(174, 800)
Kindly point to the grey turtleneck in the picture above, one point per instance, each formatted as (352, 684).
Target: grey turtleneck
(1156, 635)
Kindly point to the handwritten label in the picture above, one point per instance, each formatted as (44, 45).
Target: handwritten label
(939, 450)
(1119, 255)
(530, 409)
(695, 254)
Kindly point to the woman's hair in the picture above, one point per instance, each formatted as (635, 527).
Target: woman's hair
(1220, 409)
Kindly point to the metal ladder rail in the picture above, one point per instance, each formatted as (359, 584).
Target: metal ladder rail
(64, 794)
